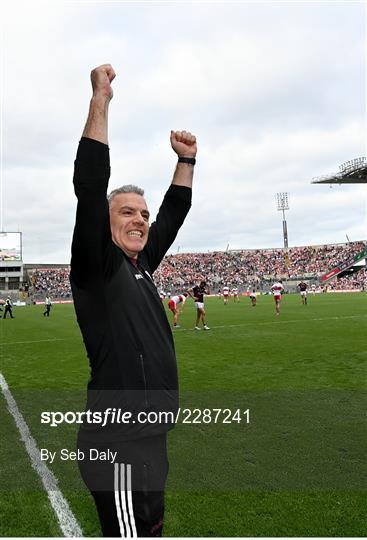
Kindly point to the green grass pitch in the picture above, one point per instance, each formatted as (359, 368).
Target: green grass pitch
(296, 469)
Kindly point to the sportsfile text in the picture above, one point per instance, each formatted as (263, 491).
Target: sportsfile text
(118, 416)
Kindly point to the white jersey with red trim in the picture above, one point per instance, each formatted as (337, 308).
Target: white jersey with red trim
(277, 289)
(225, 291)
(235, 291)
(180, 298)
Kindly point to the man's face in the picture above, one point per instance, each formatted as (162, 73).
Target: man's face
(129, 218)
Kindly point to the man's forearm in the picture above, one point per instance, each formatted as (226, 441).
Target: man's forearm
(97, 122)
(183, 175)
(96, 126)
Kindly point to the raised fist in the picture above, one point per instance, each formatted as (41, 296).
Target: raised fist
(101, 78)
(183, 143)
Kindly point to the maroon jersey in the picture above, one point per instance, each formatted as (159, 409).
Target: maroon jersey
(302, 286)
(198, 292)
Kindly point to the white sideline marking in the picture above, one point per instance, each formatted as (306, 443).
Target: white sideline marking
(35, 341)
(67, 521)
(279, 321)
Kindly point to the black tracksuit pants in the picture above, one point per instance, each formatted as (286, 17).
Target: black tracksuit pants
(8, 310)
(128, 493)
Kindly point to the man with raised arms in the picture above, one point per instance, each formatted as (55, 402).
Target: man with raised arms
(130, 349)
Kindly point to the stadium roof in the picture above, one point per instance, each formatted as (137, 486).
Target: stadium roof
(351, 172)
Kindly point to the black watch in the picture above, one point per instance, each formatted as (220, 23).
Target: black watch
(189, 160)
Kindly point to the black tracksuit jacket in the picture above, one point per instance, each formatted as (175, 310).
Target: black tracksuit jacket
(122, 320)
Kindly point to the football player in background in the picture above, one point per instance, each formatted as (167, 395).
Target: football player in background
(277, 289)
(173, 304)
(198, 294)
(225, 295)
(303, 291)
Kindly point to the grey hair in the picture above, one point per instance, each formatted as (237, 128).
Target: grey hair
(129, 188)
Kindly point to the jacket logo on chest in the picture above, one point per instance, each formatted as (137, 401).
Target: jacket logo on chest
(138, 276)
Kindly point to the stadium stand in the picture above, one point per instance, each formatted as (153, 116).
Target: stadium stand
(244, 269)
(53, 281)
(253, 268)
(351, 282)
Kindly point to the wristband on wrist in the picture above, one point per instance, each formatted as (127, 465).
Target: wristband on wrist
(189, 160)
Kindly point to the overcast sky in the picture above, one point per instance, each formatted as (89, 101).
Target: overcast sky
(274, 91)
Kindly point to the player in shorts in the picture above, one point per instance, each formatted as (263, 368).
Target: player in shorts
(225, 295)
(253, 298)
(303, 291)
(277, 289)
(173, 304)
(235, 294)
(198, 295)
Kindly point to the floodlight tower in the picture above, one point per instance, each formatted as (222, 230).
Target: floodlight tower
(282, 204)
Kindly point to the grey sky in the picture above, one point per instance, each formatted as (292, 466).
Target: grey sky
(274, 92)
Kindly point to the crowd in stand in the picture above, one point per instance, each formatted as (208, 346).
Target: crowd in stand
(251, 268)
(242, 269)
(357, 281)
(54, 281)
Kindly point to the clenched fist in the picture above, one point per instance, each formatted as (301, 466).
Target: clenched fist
(101, 78)
(183, 143)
